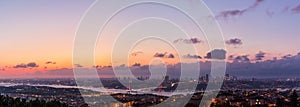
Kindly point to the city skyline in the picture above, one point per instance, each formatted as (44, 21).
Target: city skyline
(260, 36)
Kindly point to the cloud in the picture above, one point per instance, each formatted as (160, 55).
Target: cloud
(287, 56)
(171, 56)
(29, 65)
(231, 57)
(242, 67)
(136, 65)
(234, 41)
(161, 55)
(189, 56)
(136, 53)
(231, 13)
(21, 66)
(257, 2)
(188, 41)
(260, 55)
(32, 64)
(96, 66)
(269, 13)
(296, 9)
(228, 13)
(164, 55)
(78, 65)
(285, 67)
(50, 62)
(216, 54)
(241, 59)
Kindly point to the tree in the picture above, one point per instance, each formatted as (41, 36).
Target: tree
(6, 101)
(294, 99)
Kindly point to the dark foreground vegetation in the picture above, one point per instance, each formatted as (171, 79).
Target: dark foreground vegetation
(6, 101)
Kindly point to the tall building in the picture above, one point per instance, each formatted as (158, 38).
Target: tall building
(206, 77)
(167, 78)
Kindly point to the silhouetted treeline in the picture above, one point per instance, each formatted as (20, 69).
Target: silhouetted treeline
(6, 101)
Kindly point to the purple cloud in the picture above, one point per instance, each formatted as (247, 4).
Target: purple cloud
(21, 66)
(29, 65)
(234, 41)
(161, 55)
(240, 67)
(188, 41)
(189, 56)
(32, 64)
(260, 55)
(242, 59)
(231, 57)
(164, 55)
(287, 56)
(229, 13)
(296, 9)
(171, 56)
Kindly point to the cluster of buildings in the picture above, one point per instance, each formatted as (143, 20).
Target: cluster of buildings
(226, 78)
(256, 98)
(234, 93)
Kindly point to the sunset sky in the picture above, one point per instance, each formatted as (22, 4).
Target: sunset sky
(37, 35)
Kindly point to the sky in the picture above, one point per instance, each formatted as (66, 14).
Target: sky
(37, 37)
